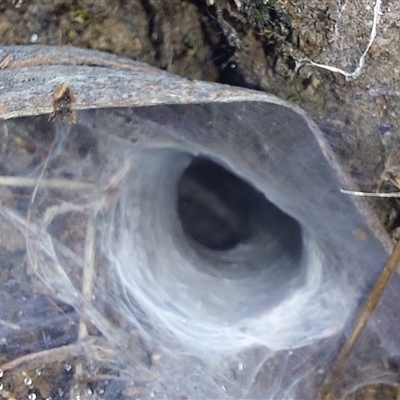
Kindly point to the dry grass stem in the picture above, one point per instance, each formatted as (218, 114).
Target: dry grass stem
(370, 194)
(53, 211)
(51, 355)
(65, 184)
(369, 307)
(5, 62)
(88, 271)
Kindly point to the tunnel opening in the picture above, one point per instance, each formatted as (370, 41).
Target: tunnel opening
(219, 211)
(208, 238)
(215, 206)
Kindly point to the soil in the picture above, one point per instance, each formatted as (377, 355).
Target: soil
(264, 45)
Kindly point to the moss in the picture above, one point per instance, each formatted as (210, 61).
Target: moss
(80, 15)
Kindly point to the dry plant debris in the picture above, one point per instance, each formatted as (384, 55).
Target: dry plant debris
(63, 100)
(47, 361)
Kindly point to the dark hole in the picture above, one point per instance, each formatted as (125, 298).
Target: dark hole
(215, 207)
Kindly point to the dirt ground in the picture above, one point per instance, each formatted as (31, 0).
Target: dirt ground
(266, 45)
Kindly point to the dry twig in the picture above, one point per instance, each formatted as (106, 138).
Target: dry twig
(369, 307)
(370, 194)
(18, 181)
(51, 355)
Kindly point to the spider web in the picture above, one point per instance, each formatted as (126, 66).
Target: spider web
(346, 34)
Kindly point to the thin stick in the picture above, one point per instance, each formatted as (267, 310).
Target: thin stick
(369, 307)
(87, 291)
(88, 271)
(56, 354)
(370, 194)
(17, 181)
